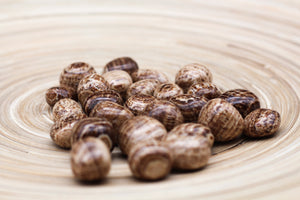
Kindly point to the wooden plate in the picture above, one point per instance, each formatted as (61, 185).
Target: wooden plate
(247, 44)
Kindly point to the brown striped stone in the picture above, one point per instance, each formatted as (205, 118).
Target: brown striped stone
(72, 74)
(93, 127)
(261, 123)
(124, 63)
(119, 81)
(165, 112)
(190, 145)
(67, 110)
(138, 103)
(90, 159)
(205, 89)
(243, 100)
(139, 129)
(143, 74)
(114, 113)
(146, 86)
(54, 94)
(61, 134)
(106, 95)
(224, 120)
(166, 91)
(89, 85)
(189, 105)
(192, 73)
(150, 160)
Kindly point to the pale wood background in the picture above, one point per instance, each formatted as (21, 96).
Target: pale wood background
(247, 44)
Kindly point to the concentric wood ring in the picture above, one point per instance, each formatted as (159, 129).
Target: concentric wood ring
(247, 44)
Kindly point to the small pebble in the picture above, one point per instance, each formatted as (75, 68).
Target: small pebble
(261, 123)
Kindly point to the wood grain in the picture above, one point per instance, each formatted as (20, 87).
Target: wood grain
(247, 44)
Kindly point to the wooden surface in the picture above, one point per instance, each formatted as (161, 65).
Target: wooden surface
(247, 44)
